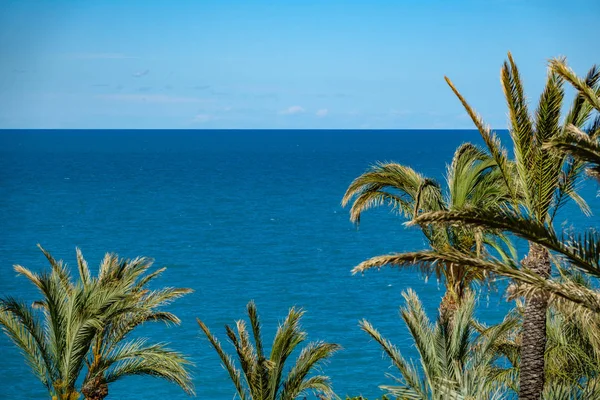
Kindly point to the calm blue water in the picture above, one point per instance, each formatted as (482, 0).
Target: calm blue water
(235, 215)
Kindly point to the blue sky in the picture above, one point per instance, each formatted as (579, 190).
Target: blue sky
(281, 64)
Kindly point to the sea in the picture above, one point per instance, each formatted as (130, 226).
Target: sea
(236, 216)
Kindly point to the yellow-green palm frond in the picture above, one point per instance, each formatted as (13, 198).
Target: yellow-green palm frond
(560, 67)
(264, 377)
(410, 375)
(582, 250)
(310, 357)
(580, 145)
(521, 126)
(544, 175)
(453, 363)
(390, 183)
(137, 357)
(234, 373)
(580, 110)
(80, 315)
(474, 179)
(26, 331)
(492, 142)
(396, 260)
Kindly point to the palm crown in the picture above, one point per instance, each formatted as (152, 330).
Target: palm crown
(264, 377)
(86, 323)
(473, 181)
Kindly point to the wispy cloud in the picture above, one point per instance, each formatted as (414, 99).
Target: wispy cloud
(150, 98)
(139, 74)
(292, 110)
(201, 87)
(99, 56)
(322, 112)
(202, 118)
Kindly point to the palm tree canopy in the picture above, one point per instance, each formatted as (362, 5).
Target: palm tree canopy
(473, 180)
(264, 377)
(76, 321)
(453, 363)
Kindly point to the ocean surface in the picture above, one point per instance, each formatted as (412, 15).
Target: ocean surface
(234, 215)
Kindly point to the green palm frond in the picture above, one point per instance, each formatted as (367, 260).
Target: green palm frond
(581, 250)
(137, 358)
(560, 67)
(264, 378)
(492, 142)
(372, 189)
(454, 363)
(579, 145)
(547, 167)
(409, 373)
(313, 354)
(521, 126)
(79, 324)
(234, 373)
(474, 180)
(21, 326)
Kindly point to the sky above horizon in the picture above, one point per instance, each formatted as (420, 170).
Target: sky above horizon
(280, 65)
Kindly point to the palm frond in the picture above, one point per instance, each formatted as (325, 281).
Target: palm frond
(410, 375)
(310, 356)
(560, 67)
(492, 142)
(234, 373)
(581, 250)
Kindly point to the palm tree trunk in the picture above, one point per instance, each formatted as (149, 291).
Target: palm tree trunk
(534, 329)
(448, 306)
(95, 389)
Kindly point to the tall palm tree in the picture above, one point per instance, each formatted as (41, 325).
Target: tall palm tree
(539, 184)
(454, 364)
(473, 181)
(264, 375)
(573, 346)
(85, 323)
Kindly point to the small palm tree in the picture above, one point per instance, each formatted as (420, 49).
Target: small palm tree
(85, 323)
(454, 365)
(473, 181)
(264, 377)
(113, 354)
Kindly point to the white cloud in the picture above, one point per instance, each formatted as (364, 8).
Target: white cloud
(292, 110)
(150, 98)
(139, 74)
(322, 112)
(201, 118)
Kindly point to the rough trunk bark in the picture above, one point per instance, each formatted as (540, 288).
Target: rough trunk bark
(534, 329)
(448, 306)
(96, 389)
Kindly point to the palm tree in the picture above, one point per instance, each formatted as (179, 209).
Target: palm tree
(264, 377)
(539, 183)
(473, 181)
(84, 323)
(573, 347)
(113, 355)
(454, 364)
